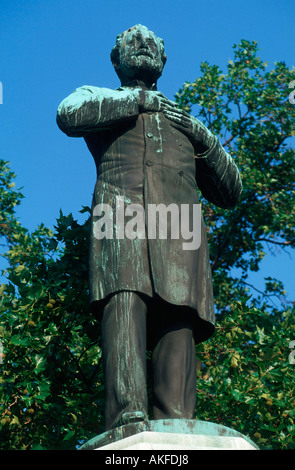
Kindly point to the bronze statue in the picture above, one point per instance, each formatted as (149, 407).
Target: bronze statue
(148, 291)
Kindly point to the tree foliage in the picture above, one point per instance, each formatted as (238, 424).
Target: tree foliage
(247, 381)
(52, 394)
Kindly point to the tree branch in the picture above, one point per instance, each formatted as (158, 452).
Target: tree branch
(279, 297)
(235, 135)
(274, 242)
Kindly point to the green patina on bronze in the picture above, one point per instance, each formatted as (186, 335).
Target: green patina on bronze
(148, 151)
(178, 426)
(138, 54)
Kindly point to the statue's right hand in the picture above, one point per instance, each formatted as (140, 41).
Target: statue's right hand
(152, 101)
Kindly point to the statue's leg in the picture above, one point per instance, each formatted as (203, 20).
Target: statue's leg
(174, 371)
(124, 359)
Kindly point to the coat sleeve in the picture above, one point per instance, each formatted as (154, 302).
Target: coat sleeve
(91, 109)
(218, 177)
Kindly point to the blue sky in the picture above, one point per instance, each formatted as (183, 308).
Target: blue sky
(49, 48)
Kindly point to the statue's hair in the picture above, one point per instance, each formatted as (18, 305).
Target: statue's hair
(115, 52)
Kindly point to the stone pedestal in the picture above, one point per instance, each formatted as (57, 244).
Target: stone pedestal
(171, 435)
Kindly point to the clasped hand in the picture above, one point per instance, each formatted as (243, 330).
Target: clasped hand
(155, 101)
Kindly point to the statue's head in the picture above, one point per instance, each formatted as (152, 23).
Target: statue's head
(138, 55)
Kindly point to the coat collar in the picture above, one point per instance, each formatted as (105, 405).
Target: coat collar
(138, 84)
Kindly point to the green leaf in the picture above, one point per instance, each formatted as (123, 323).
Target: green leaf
(237, 395)
(39, 362)
(69, 435)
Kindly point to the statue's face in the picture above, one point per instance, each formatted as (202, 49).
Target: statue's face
(140, 54)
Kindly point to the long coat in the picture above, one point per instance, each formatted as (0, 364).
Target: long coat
(141, 159)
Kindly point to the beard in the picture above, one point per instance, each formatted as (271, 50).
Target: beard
(141, 67)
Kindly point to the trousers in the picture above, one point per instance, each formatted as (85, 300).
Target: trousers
(124, 346)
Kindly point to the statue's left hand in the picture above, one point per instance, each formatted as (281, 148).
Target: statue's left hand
(189, 125)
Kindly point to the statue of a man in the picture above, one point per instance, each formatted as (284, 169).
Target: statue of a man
(148, 291)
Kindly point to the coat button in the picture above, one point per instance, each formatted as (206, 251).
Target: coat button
(180, 173)
(150, 135)
(149, 163)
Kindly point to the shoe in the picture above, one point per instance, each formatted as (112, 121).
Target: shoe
(132, 417)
